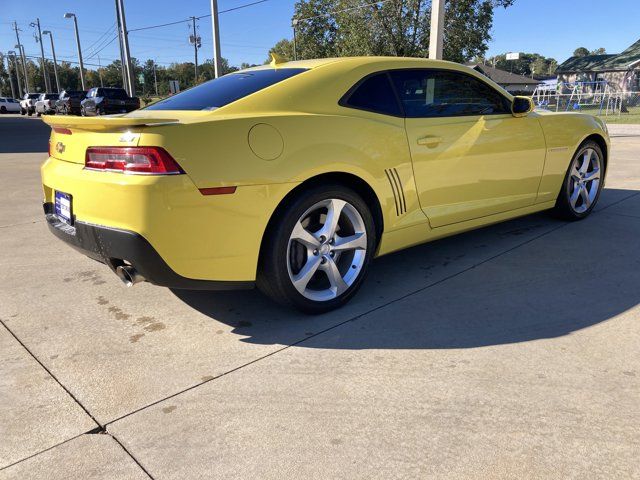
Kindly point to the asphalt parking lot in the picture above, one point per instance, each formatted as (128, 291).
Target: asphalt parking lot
(508, 352)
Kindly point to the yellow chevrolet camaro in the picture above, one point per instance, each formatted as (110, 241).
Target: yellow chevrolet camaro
(294, 175)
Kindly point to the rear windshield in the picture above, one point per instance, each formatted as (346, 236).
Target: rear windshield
(34, 95)
(74, 94)
(224, 90)
(50, 96)
(116, 93)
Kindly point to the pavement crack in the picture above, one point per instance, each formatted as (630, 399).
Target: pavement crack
(50, 374)
(137, 462)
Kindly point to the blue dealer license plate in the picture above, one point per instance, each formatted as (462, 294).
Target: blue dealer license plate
(63, 207)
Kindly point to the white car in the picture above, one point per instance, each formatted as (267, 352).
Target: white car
(9, 105)
(28, 103)
(46, 103)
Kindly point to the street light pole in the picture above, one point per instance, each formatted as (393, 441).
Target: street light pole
(217, 60)
(55, 61)
(436, 37)
(131, 86)
(294, 24)
(75, 24)
(24, 59)
(13, 90)
(17, 70)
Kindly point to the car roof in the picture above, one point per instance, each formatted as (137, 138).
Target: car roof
(354, 61)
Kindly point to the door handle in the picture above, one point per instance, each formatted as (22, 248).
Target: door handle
(430, 141)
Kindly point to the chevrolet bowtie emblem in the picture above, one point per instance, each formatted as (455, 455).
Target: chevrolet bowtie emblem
(60, 147)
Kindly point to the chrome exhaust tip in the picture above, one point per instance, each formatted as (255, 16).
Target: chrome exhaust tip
(128, 275)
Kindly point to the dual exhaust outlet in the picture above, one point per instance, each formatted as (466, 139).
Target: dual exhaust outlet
(128, 275)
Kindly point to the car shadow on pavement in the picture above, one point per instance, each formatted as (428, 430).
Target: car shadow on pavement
(527, 279)
(27, 134)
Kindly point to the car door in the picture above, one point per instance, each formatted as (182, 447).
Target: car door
(472, 158)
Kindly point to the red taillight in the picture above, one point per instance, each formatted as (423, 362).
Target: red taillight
(136, 160)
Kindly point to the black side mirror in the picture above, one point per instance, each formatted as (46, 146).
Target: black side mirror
(521, 106)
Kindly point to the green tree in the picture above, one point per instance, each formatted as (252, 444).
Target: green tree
(527, 64)
(581, 52)
(599, 51)
(333, 28)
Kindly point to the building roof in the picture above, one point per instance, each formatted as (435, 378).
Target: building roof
(602, 63)
(502, 77)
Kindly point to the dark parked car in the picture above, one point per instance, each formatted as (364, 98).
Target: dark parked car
(69, 102)
(103, 101)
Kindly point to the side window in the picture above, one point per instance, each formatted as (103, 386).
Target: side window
(375, 94)
(440, 93)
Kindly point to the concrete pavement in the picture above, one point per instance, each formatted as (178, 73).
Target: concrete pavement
(506, 352)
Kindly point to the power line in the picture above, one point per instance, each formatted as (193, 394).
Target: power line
(187, 20)
(96, 52)
(328, 14)
(100, 39)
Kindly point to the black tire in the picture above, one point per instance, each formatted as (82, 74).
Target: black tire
(38, 114)
(22, 112)
(29, 112)
(3, 109)
(273, 273)
(564, 208)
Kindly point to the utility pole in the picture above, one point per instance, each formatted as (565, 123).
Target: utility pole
(155, 78)
(122, 67)
(45, 75)
(217, 60)
(436, 37)
(17, 70)
(24, 60)
(55, 61)
(131, 86)
(24, 65)
(294, 24)
(100, 70)
(195, 41)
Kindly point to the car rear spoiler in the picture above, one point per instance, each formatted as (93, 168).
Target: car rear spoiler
(104, 123)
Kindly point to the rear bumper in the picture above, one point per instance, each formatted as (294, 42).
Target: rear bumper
(114, 247)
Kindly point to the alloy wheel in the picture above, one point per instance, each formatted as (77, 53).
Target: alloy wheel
(326, 250)
(585, 180)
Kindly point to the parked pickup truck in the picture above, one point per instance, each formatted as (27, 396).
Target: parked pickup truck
(103, 101)
(28, 103)
(69, 102)
(46, 104)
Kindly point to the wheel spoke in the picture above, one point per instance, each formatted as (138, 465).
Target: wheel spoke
(302, 278)
(352, 242)
(586, 160)
(338, 285)
(334, 209)
(574, 195)
(584, 193)
(303, 236)
(575, 173)
(594, 175)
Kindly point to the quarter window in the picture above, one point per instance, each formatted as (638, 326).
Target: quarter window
(374, 94)
(437, 93)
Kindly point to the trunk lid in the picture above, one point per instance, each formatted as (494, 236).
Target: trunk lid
(71, 136)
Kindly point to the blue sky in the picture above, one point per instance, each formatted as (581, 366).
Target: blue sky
(552, 28)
